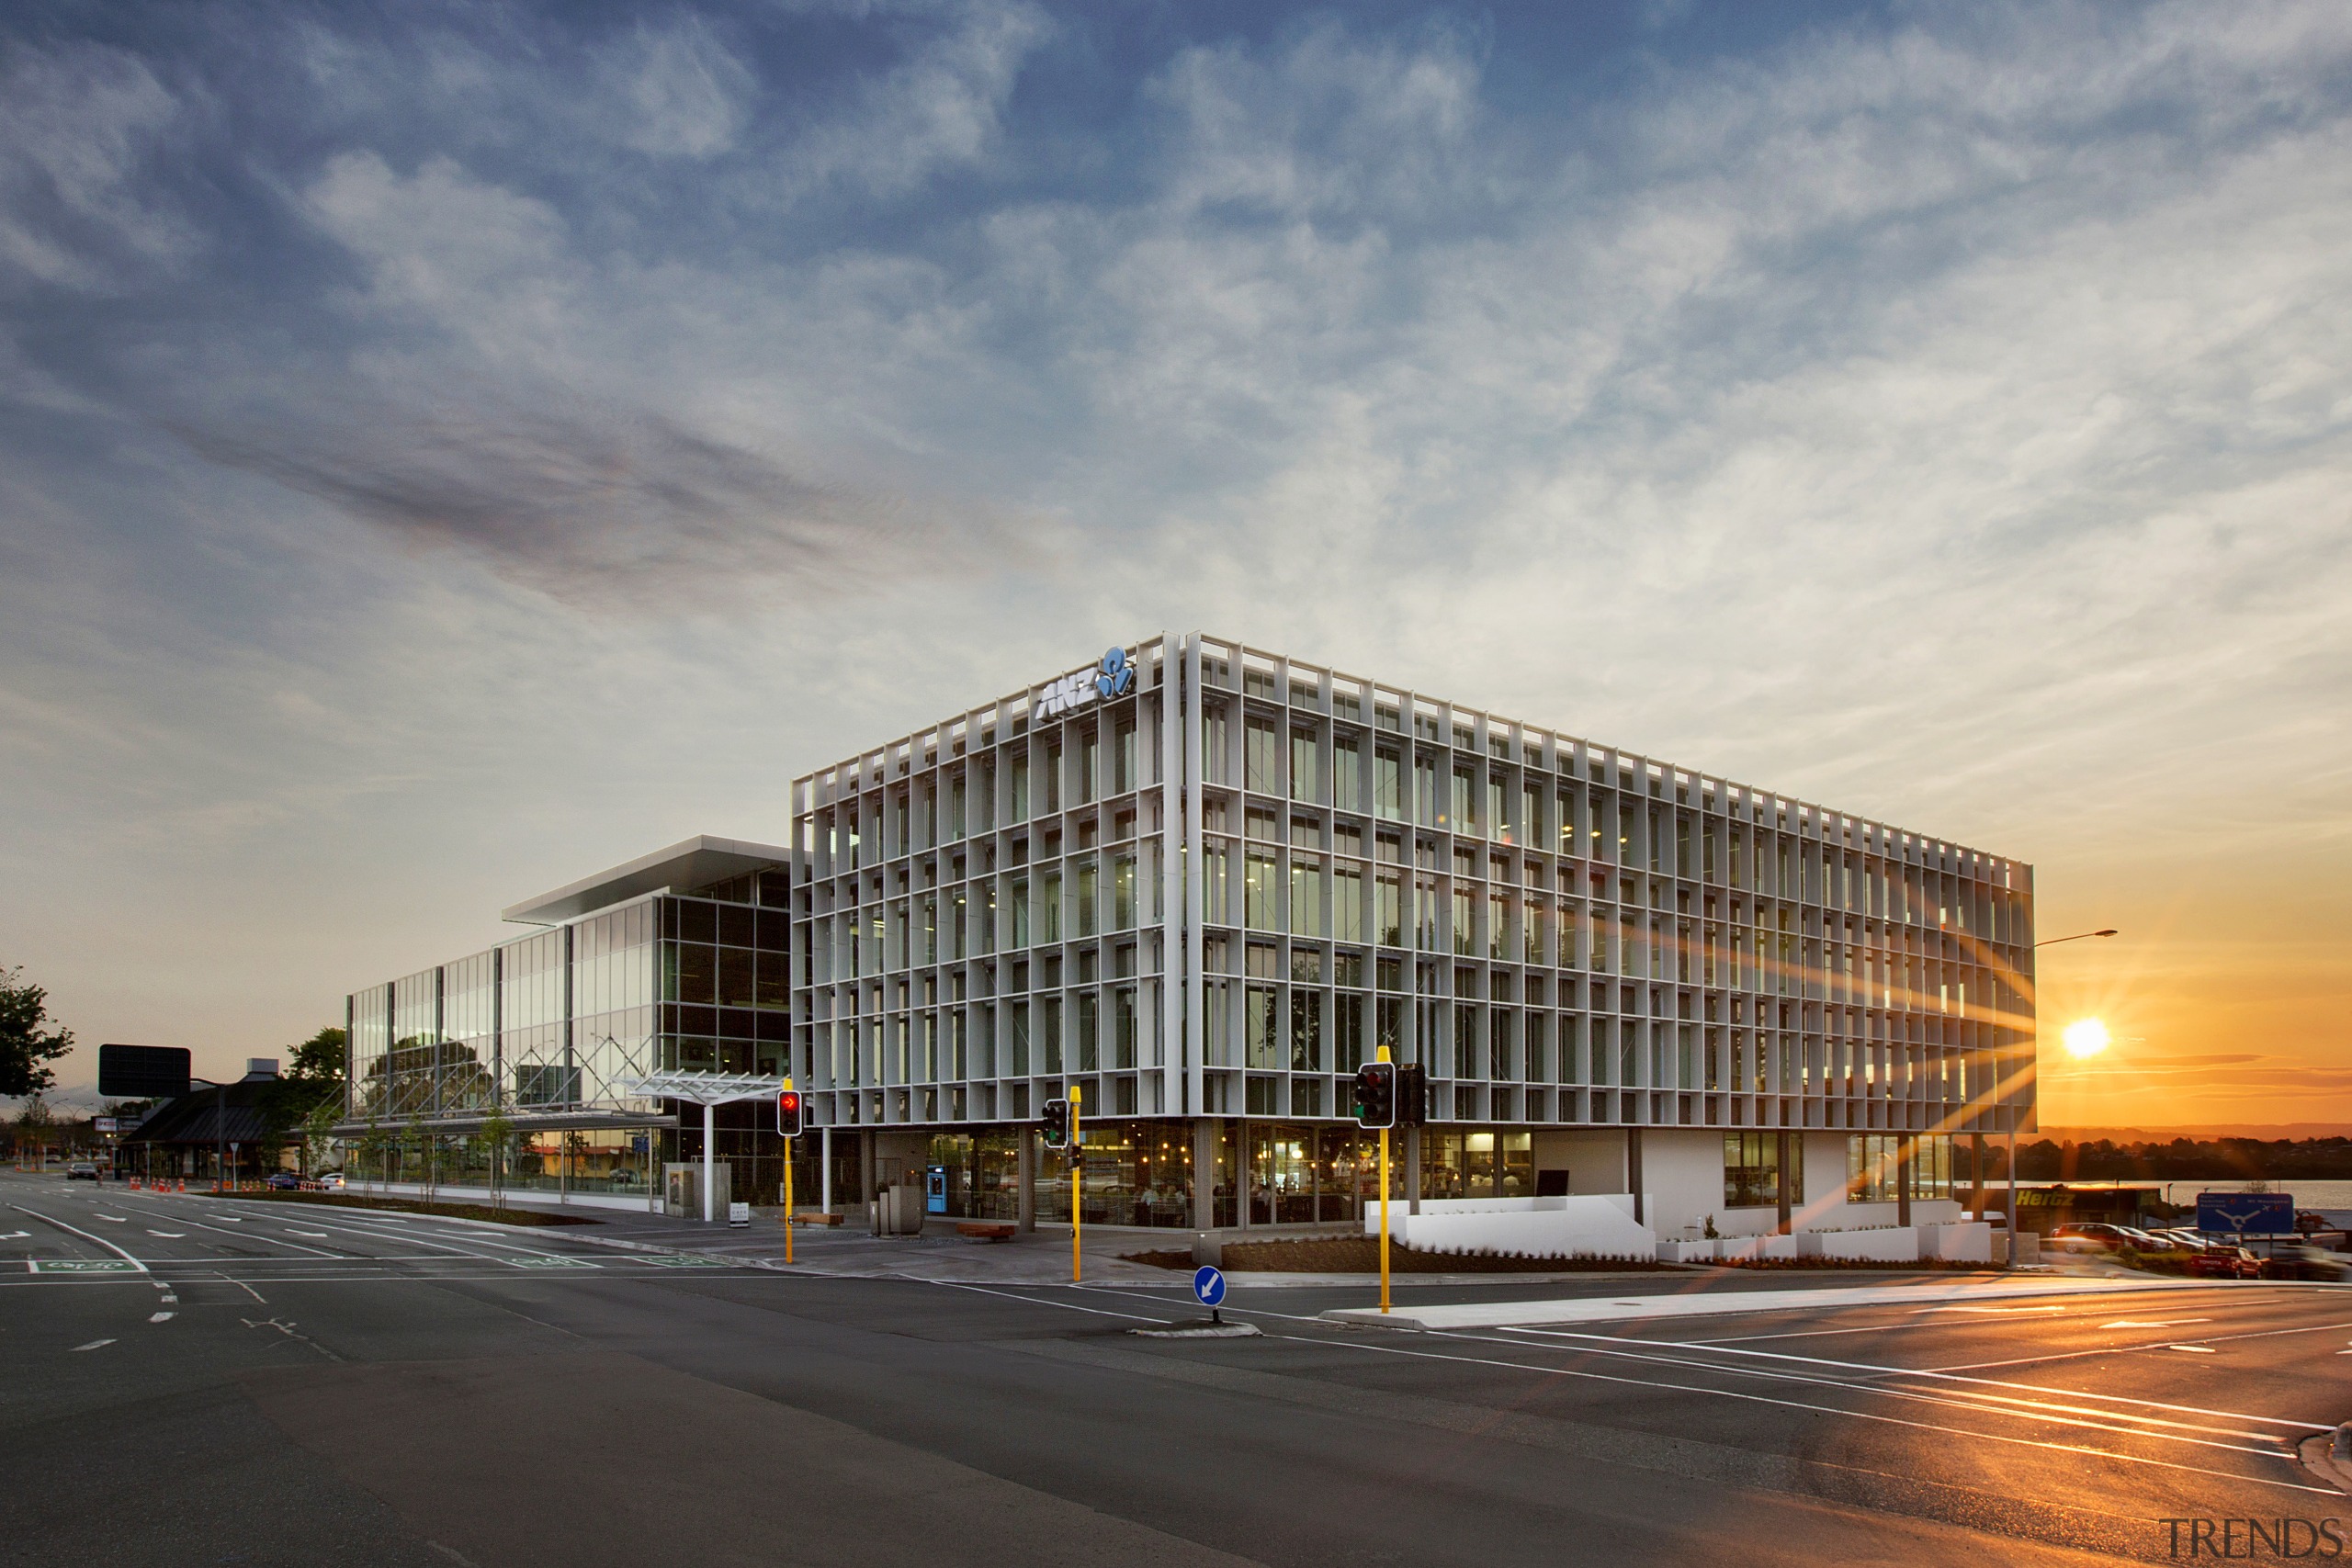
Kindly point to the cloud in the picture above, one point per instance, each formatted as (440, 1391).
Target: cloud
(683, 94)
(941, 109)
(76, 124)
(601, 506)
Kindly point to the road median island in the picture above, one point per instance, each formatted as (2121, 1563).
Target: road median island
(1706, 1302)
(1360, 1254)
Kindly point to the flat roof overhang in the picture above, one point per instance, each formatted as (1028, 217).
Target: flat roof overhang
(691, 862)
(516, 1122)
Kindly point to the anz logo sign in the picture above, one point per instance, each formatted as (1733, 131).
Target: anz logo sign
(1114, 677)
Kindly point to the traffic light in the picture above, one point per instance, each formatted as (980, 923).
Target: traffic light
(789, 1111)
(1412, 1095)
(1057, 1123)
(1376, 1095)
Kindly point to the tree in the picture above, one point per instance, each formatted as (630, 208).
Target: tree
(320, 1059)
(497, 1127)
(24, 1048)
(318, 1131)
(310, 1088)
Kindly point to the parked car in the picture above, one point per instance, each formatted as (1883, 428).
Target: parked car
(82, 1170)
(284, 1181)
(2220, 1261)
(2182, 1238)
(2097, 1235)
(332, 1181)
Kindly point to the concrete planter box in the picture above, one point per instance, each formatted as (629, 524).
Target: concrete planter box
(1686, 1251)
(1598, 1227)
(1967, 1242)
(1749, 1248)
(1898, 1243)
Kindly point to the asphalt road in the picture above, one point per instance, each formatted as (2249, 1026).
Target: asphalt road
(188, 1380)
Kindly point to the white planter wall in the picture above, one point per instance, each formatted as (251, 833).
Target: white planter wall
(1598, 1227)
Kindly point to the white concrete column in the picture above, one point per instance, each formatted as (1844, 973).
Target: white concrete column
(825, 1168)
(709, 1155)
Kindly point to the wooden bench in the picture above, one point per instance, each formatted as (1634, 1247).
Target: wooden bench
(982, 1230)
(813, 1219)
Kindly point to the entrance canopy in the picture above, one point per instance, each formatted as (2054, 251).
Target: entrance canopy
(704, 1089)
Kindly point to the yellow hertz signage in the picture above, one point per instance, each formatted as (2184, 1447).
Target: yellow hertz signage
(1114, 677)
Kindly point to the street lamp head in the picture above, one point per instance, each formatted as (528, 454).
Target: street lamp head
(2109, 931)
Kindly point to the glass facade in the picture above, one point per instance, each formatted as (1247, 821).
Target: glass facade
(1205, 881)
(1289, 867)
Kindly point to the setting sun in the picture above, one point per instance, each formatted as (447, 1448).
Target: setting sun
(2085, 1039)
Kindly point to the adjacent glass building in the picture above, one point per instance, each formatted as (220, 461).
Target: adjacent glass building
(1200, 884)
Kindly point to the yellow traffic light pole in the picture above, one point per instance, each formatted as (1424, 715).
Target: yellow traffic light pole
(1384, 1204)
(1077, 1182)
(788, 1143)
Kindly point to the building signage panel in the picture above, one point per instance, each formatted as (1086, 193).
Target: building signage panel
(1114, 677)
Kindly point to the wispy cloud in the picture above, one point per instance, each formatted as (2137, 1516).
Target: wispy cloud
(1942, 412)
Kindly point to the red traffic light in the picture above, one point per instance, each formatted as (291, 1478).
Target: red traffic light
(788, 1113)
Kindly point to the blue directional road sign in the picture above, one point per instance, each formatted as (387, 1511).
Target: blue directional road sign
(2247, 1213)
(1208, 1286)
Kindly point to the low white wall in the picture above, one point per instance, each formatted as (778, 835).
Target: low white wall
(1968, 1241)
(1893, 1245)
(1595, 1226)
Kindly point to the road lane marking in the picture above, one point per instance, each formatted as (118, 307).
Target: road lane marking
(314, 1236)
(270, 1241)
(2127, 1350)
(114, 1219)
(92, 1345)
(159, 1318)
(86, 1235)
(1836, 1410)
(1033, 1301)
(2174, 1323)
(1950, 1374)
(1956, 1398)
(2193, 1349)
(170, 1235)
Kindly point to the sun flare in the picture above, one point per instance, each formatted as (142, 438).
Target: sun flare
(2085, 1039)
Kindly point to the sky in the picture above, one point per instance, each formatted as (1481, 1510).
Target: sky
(445, 450)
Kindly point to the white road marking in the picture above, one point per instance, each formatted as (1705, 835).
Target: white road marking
(2193, 1349)
(15, 1236)
(114, 1219)
(86, 1235)
(2172, 1322)
(159, 1318)
(201, 1225)
(1853, 1415)
(314, 1236)
(169, 1300)
(1948, 1374)
(170, 1235)
(92, 1345)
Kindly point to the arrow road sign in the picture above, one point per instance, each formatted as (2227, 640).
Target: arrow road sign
(1208, 1286)
(2247, 1213)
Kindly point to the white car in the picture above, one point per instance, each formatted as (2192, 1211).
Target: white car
(332, 1181)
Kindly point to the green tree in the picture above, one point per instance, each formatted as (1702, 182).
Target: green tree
(322, 1059)
(497, 1128)
(310, 1084)
(25, 1047)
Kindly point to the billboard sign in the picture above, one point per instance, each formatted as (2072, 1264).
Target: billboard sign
(2247, 1213)
(142, 1072)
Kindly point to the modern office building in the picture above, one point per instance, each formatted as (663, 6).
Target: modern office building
(1200, 884)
